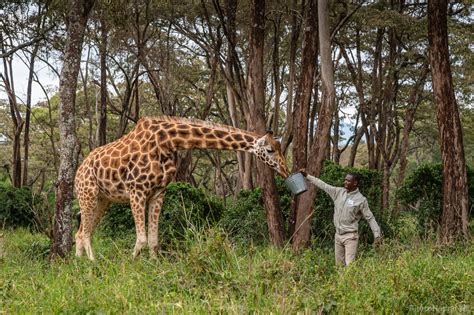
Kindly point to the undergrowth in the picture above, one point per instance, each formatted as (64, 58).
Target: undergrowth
(209, 273)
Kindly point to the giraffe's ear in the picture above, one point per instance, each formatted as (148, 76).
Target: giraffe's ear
(278, 139)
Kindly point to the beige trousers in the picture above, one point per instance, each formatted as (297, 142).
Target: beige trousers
(346, 247)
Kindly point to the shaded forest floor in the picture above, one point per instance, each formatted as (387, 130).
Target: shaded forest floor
(207, 273)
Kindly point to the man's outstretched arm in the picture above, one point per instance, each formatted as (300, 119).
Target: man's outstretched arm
(330, 190)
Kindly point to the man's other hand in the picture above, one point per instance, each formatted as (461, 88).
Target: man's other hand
(303, 172)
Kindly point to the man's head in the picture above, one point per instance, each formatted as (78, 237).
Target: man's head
(351, 182)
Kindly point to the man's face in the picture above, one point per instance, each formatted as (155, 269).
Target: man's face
(350, 183)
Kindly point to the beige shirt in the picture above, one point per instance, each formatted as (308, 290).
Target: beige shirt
(349, 207)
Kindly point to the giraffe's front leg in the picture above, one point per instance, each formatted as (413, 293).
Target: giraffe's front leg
(154, 207)
(137, 203)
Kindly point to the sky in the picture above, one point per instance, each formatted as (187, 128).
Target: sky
(20, 71)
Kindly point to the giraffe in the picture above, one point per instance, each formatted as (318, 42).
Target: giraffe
(137, 167)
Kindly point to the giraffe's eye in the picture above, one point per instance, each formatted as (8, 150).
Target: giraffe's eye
(270, 150)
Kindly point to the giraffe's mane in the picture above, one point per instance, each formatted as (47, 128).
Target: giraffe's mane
(201, 123)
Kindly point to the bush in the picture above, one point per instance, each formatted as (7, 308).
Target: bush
(407, 228)
(16, 206)
(245, 219)
(422, 194)
(184, 206)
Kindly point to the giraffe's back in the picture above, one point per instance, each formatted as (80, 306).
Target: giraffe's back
(114, 169)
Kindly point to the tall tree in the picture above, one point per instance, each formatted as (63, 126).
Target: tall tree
(102, 121)
(17, 119)
(233, 73)
(303, 98)
(76, 23)
(256, 91)
(455, 202)
(26, 140)
(320, 144)
(294, 37)
(413, 101)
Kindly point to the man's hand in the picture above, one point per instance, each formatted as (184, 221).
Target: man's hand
(303, 172)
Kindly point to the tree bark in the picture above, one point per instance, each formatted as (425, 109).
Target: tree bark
(453, 225)
(76, 23)
(256, 97)
(26, 139)
(409, 119)
(295, 34)
(276, 73)
(236, 85)
(319, 147)
(102, 126)
(303, 99)
(85, 86)
(16, 117)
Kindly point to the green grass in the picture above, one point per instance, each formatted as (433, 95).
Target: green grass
(209, 274)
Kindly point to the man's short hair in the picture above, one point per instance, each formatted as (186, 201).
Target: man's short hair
(356, 177)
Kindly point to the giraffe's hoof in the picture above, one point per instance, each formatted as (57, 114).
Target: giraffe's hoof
(136, 254)
(154, 252)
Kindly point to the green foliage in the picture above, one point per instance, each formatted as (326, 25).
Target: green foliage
(16, 207)
(211, 275)
(422, 194)
(244, 218)
(407, 229)
(184, 207)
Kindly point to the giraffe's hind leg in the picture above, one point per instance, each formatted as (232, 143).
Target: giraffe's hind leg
(102, 206)
(99, 207)
(137, 203)
(88, 204)
(154, 208)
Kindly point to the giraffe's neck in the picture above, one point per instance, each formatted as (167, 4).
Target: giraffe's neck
(182, 134)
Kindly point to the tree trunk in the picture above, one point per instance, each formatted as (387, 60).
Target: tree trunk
(303, 99)
(336, 152)
(295, 34)
(413, 103)
(76, 24)
(85, 86)
(231, 7)
(102, 126)
(26, 139)
(455, 202)
(358, 136)
(318, 149)
(256, 92)
(276, 73)
(16, 117)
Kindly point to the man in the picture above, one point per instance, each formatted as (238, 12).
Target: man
(349, 206)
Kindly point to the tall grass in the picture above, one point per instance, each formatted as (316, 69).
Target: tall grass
(210, 274)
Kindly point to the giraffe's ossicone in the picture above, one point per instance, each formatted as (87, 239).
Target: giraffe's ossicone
(137, 167)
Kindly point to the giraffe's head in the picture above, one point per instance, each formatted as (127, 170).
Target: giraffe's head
(268, 150)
